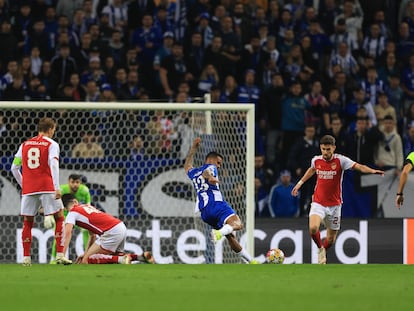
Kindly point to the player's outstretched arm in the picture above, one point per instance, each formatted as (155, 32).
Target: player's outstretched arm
(308, 174)
(399, 200)
(188, 164)
(367, 170)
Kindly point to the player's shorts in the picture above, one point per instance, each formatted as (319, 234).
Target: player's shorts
(217, 213)
(31, 203)
(114, 239)
(331, 216)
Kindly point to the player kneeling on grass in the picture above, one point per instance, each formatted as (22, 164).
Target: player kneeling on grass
(82, 194)
(109, 247)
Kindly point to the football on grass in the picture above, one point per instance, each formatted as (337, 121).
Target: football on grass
(275, 256)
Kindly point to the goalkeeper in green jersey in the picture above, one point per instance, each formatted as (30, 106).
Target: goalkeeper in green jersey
(82, 195)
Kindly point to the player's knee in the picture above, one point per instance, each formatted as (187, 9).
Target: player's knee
(59, 214)
(59, 217)
(313, 229)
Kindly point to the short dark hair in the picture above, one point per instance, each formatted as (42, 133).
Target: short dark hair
(327, 140)
(75, 176)
(394, 76)
(336, 118)
(310, 124)
(213, 154)
(67, 198)
(295, 82)
(358, 89)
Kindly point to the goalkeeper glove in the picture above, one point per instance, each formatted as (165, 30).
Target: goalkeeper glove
(49, 221)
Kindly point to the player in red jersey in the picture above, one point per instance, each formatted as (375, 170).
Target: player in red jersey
(39, 179)
(109, 247)
(326, 204)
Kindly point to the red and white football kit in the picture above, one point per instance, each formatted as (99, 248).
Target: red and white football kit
(111, 230)
(39, 178)
(38, 158)
(327, 197)
(37, 154)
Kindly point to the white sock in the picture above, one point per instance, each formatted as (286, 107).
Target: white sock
(59, 255)
(226, 229)
(245, 256)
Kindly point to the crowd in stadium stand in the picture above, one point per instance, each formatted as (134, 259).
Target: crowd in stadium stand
(342, 67)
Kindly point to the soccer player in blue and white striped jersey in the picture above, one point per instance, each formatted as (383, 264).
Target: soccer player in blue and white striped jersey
(214, 210)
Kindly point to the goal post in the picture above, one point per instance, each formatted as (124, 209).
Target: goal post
(227, 127)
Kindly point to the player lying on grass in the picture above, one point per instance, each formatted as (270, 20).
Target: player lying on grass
(214, 210)
(109, 246)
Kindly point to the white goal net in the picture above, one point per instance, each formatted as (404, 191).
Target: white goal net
(131, 157)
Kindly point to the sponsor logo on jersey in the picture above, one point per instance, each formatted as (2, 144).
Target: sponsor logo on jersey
(326, 174)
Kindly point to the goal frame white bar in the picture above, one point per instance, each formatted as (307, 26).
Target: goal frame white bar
(207, 107)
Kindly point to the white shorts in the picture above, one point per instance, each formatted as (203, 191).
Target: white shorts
(114, 239)
(31, 203)
(331, 215)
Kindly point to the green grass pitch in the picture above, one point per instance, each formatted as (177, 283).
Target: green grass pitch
(206, 287)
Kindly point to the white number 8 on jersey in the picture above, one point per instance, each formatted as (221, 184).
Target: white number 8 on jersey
(33, 158)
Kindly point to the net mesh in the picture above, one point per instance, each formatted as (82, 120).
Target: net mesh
(132, 162)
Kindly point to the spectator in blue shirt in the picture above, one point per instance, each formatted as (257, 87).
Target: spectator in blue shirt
(405, 45)
(408, 139)
(162, 52)
(146, 40)
(372, 85)
(286, 23)
(205, 29)
(374, 42)
(407, 82)
(293, 112)
(320, 42)
(248, 92)
(51, 23)
(396, 97)
(229, 91)
(263, 180)
(161, 20)
(281, 202)
(94, 72)
(409, 18)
